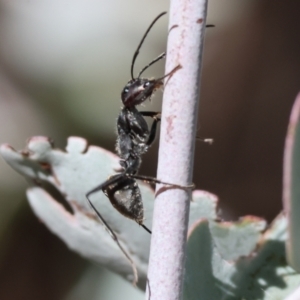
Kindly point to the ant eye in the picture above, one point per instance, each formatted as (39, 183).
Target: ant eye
(126, 90)
(146, 84)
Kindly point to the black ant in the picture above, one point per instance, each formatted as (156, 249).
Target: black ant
(134, 139)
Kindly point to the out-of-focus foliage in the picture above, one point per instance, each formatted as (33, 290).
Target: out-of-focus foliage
(75, 171)
(62, 67)
(291, 186)
(260, 274)
(225, 260)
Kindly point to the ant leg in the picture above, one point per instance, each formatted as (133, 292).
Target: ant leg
(107, 227)
(146, 228)
(149, 288)
(115, 238)
(119, 183)
(151, 114)
(149, 179)
(156, 118)
(105, 184)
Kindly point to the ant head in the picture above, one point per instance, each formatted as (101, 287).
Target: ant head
(139, 90)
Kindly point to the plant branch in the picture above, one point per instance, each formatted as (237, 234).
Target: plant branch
(176, 153)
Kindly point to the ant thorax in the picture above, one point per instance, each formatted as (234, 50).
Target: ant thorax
(132, 128)
(133, 134)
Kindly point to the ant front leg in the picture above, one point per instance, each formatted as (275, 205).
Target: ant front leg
(156, 118)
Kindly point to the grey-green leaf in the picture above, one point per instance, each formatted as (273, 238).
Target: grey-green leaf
(264, 274)
(291, 185)
(75, 171)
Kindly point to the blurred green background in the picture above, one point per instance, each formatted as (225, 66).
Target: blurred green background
(63, 65)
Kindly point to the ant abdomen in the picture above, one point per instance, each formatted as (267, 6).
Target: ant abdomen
(125, 196)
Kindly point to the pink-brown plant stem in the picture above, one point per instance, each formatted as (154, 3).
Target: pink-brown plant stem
(176, 152)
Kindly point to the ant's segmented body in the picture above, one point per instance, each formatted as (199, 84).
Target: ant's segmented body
(134, 139)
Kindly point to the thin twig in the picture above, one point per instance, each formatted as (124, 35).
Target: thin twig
(176, 153)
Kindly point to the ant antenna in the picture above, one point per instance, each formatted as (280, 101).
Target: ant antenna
(137, 51)
(161, 56)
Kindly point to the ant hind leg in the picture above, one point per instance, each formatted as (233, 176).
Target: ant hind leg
(104, 185)
(149, 179)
